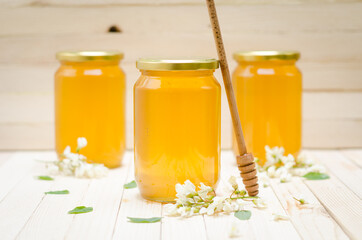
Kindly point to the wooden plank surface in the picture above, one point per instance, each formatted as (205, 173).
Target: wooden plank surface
(22, 49)
(346, 171)
(333, 209)
(11, 174)
(132, 205)
(338, 199)
(4, 156)
(311, 220)
(220, 228)
(354, 155)
(21, 193)
(104, 195)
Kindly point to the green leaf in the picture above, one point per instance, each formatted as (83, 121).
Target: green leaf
(81, 209)
(144, 220)
(58, 192)
(243, 214)
(130, 185)
(46, 178)
(316, 176)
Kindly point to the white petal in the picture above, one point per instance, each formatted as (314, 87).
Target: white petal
(278, 217)
(203, 210)
(66, 150)
(82, 142)
(234, 231)
(171, 209)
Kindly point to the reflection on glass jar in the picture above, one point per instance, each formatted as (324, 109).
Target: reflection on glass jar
(90, 103)
(268, 89)
(177, 125)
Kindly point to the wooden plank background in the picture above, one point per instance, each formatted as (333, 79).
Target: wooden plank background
(328, 34)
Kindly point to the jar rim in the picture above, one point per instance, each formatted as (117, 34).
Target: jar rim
(89, 55)
(180, 64)
(269, 55)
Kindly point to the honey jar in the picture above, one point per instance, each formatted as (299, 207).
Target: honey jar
(268, 91)
(177, 125)
(90, 103)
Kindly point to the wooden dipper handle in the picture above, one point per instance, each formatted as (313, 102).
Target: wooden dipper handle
(245, 160)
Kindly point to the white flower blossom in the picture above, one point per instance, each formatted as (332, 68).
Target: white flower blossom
(228, 207)
(260, 203)
(288, 159)
(278, 217)
(281, 171)
(233, 183)
(67, 150)
(204, 191)
(82, 142)
(185, 189)
(184, 211)
(74, 164)
(317, 168)
(303, 159)
(185, 192)
(271, 171)
(203, 210)
(216, 206)
(193, 200)
(285, 177)
(273, 155)
(299, 171)
(285, 167)
(52, 169)
(263, 178)
(239, 205)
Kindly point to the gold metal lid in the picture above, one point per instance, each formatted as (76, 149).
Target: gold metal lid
(266, 55)
(84, 56)
(166, 64)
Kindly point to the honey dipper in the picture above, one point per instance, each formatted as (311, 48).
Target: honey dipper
(245, 160)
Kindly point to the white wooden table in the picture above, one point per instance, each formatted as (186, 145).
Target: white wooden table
(334, 212)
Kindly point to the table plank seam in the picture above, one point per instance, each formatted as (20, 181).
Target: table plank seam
(336, 176)
(120, 200)
(12, 189)
(203, 219)
(286, 212)
(280, 197)
(27, 221)
(74, 215)
(347, 156)
(331, 214)
(162, 205)
(353, 156)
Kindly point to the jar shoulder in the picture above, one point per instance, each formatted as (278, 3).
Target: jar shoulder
(84, 71)
(267, 70)
(164, 82)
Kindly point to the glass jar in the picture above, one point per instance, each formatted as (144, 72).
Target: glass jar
(177, 125)
(90, 103)
(268, 91)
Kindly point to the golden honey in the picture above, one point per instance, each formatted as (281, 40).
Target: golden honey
(268, 91)
(177, 125)
(90, 103)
